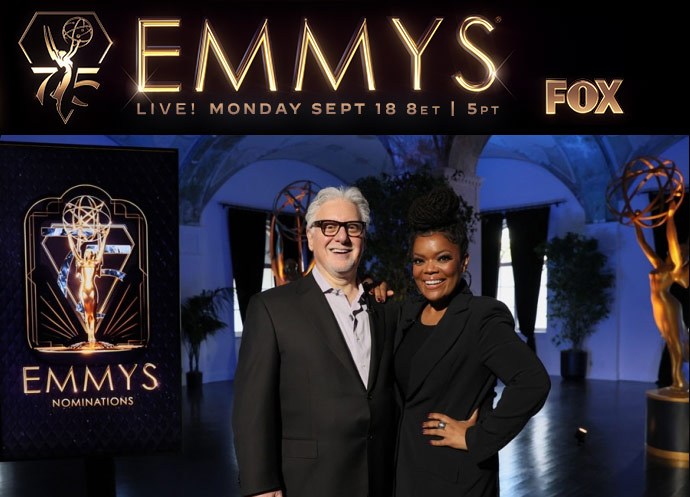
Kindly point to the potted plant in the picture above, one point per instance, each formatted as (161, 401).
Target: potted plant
(579, 296)
(200, 320)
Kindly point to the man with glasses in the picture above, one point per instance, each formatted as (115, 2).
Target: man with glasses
(314, 414)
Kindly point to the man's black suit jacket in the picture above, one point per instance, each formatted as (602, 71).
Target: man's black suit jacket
(303, 420)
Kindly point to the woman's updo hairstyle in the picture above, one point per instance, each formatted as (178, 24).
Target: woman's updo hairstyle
(438, 212)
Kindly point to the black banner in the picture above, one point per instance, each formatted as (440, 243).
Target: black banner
(255, 67)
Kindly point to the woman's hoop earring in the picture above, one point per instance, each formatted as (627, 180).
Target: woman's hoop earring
(467, 276)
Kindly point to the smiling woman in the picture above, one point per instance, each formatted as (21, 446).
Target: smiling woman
(437, 266)
(450, 348)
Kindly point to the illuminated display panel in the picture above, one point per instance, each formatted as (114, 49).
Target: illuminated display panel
(90, 263)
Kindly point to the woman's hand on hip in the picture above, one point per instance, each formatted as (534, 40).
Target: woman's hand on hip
(451, 431)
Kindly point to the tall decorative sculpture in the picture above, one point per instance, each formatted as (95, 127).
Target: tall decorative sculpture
(667, 408)
(665, 272)
(294, 199)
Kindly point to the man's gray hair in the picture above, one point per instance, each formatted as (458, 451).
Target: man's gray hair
(349, 193)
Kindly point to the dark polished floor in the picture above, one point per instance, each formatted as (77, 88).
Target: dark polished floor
(544, 460)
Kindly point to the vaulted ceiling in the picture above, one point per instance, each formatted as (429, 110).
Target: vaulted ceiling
(585, 164)
(207, 162)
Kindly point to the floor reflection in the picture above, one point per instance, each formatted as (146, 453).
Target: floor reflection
(544, 460)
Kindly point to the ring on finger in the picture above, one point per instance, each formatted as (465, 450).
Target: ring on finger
(441, 425)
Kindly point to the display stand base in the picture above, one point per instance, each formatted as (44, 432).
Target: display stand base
(100, 476)
(667, 438)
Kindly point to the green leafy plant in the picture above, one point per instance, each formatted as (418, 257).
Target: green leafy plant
(579, 285)
(200, 320)
(387, 254)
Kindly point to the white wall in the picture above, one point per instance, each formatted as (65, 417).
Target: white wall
(627, 345)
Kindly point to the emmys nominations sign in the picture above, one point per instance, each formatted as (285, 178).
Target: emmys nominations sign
(91, 360)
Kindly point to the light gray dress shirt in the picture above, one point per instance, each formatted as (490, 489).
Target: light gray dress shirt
(353, 320)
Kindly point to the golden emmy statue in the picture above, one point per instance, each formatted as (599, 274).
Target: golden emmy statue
(87, 223)
(78, 32)
(293, 200)
(667, 310)
(667, 408)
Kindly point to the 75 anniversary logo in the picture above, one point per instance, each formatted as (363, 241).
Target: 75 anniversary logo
(66, 49)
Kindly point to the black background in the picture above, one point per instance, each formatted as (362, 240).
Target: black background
(641, 44)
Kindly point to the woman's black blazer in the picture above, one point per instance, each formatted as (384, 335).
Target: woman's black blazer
(455, 372)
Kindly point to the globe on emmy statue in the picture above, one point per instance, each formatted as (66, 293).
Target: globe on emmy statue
(77, 31)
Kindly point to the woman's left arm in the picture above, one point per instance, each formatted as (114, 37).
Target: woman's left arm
(526, 381)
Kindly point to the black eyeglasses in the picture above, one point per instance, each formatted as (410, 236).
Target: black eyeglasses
(331, 228)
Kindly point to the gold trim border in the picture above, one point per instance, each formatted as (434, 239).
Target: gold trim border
(679, 459)
(662, 394)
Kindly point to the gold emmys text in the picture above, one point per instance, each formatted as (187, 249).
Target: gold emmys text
(38, 380)
(307, 43)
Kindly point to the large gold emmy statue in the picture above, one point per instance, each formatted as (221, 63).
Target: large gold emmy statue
(294, 199)
(87, 224)
(667, 408)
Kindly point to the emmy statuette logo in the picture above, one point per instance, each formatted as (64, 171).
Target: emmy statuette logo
(86, 276)
(66, 49)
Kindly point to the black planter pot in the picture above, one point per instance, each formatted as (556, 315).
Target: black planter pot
(573, 364)
(195, 380)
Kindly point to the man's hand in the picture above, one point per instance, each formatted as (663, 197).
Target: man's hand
(379, 290)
